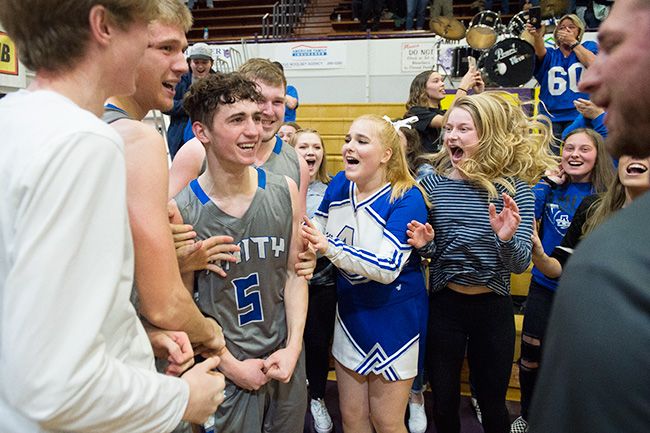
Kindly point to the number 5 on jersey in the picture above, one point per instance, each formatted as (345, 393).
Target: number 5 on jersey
(249, 303)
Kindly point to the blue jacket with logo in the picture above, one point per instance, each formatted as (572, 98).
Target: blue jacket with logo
(555, 208)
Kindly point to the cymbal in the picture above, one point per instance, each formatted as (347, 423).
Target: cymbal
(448, 27)
(553, 8)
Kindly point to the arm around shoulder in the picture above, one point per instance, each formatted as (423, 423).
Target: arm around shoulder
(186, 166)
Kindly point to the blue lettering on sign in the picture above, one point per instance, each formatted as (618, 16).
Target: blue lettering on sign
(309, 52)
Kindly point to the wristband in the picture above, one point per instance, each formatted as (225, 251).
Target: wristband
(460, 88)
(550, 182)
(572, 46)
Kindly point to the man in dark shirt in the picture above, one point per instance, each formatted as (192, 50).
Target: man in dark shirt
(594, 376)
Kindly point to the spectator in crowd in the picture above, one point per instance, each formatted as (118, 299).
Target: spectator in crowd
(558, 70)
(291, 101)
(201, 61)
(415, 10)
(418, 161)
(426, 92)
(287, 131)
(491, 151)
(370, 14)
(632, 182)
(319, 326)
(585, 169)
(441, 8)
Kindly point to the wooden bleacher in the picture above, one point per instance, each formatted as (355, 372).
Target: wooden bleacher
(463, 11)
(333, 121)
(229, 20)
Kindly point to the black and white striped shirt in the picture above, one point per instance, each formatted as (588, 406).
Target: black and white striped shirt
(466, 250)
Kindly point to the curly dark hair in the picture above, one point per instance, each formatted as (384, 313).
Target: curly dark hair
(206, 95)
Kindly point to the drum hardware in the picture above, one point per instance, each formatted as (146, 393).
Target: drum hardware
(460, 60)
(483, 30)
(517, 27)
(440, 64)
(510, 62)
(448, 28)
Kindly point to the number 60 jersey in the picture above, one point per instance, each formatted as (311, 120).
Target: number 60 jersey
(249, 302)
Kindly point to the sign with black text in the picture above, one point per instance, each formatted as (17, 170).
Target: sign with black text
(8, 58)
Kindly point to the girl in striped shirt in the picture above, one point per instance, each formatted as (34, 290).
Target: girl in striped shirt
(482, 218)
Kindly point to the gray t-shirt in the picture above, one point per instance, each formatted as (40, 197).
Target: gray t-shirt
(283, 160)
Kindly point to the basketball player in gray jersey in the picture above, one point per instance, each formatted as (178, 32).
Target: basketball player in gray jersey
(261, 303)
(271, 154)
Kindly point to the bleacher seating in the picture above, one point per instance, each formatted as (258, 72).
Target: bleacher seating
(236, 19)
(229, 20)
(342, 21)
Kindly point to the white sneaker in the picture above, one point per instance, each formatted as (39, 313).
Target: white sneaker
(322, 419)
(417, 418)
(477, 409)
(519, 426)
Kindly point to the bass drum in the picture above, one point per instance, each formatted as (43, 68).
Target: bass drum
(517, 27)
(460, 66)
(510, 62)
(483, 30)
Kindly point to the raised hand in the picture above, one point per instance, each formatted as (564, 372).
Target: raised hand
(557, 175)
(506, 222)
(479, 84)
(419, 234)
(306, 261)
(314, 236)
(537, 33)
(588, 108)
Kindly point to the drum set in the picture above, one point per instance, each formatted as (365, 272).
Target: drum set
(504, 54)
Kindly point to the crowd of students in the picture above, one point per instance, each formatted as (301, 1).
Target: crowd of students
(248, 254)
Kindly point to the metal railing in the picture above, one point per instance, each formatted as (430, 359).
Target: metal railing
(229, 59)
(280, 23)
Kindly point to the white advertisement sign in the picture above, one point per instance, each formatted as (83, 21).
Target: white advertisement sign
(418, 56)
(312, 55)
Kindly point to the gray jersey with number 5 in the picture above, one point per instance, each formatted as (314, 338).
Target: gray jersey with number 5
(249, 302)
